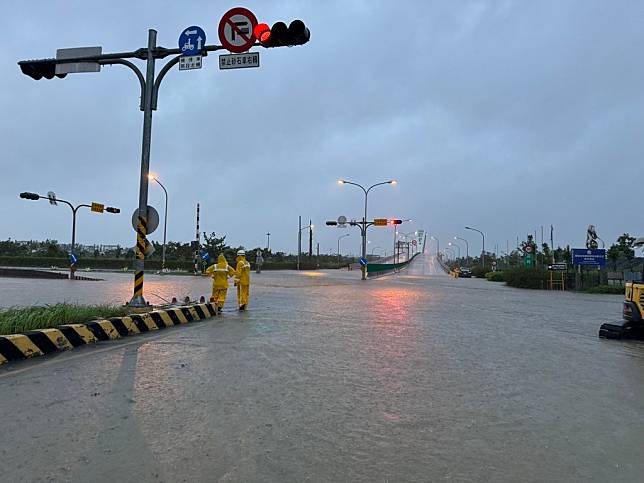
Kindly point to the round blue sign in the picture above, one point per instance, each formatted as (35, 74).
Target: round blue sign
(192, 40)
(363, 262)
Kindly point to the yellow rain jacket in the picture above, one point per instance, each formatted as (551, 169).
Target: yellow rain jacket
(242, 271)
(220, 273)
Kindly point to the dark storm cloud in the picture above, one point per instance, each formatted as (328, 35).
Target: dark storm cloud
(503, 115)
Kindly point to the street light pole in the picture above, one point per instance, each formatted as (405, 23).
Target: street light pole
(165, 220)
(438, 245)
(467, 248)
(364, 220)
(455, 245)
(299, 242)
(396, 238)
(299, 239)
(483, 252)
(340, 238)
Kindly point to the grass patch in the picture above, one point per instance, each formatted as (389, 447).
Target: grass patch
(611, 289)
(22, 319)
(495, 277)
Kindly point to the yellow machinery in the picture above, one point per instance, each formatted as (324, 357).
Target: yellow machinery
(632, 326)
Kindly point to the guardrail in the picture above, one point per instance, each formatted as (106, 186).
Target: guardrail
(378, 269)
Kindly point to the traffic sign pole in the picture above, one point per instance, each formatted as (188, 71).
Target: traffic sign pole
(141, 229)
(83, 60)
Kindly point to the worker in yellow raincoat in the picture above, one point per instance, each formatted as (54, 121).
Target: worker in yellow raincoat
(220, 273)
(242, 279)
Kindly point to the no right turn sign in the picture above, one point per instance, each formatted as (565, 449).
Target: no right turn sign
(236, 30)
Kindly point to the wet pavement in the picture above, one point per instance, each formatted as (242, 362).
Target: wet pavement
(413, 377)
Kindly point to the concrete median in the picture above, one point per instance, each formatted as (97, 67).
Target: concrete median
(41, 342)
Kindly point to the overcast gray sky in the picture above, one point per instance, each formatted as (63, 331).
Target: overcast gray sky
(503, 115)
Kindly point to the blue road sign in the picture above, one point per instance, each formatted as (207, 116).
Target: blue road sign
(72, 259)
(363, 262)
(205, 256)
(587, 256)
(192, 40)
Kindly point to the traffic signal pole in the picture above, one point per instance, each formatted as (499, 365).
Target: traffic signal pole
(279, 35)
(54, 201)
(142, 224)
(37, 69)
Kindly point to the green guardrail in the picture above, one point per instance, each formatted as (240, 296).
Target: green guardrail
(377, 269)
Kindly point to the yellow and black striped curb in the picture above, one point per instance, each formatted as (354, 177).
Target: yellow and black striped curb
(45, 341)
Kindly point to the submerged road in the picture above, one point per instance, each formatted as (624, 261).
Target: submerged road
(412, 377)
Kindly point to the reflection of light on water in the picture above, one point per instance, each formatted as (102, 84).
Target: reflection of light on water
(394, 343)
(313, 274)
(393, 304)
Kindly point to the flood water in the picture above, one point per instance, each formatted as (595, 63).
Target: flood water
(413, 377)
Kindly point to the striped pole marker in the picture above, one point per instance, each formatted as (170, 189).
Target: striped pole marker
(197, 239)
(141, 231)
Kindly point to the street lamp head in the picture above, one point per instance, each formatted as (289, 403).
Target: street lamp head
(392, 182)
(151, 177)
(340, 182)
(467, 228)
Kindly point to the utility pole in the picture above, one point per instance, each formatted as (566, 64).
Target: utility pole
(299, 242)
(310, 240)
(268, 242)
(197, 240)
(340, 238)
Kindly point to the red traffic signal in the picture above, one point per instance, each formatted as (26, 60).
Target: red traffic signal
(280, 35)
(262, 32)
(111, 209)
(29, 196)
(394, 222)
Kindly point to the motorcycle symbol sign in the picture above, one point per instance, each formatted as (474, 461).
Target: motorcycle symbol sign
(192, 40)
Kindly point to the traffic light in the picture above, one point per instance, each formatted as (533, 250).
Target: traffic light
(394, 222)
(279, 35)
(29, 196)
(111, 209)
(37, 69)
(331, 223)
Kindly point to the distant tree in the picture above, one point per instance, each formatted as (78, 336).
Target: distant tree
(625, 243)
(50, 248)
(179, 251)
(214, 245)
(613, 255)
(547, 253)
(11, 249)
